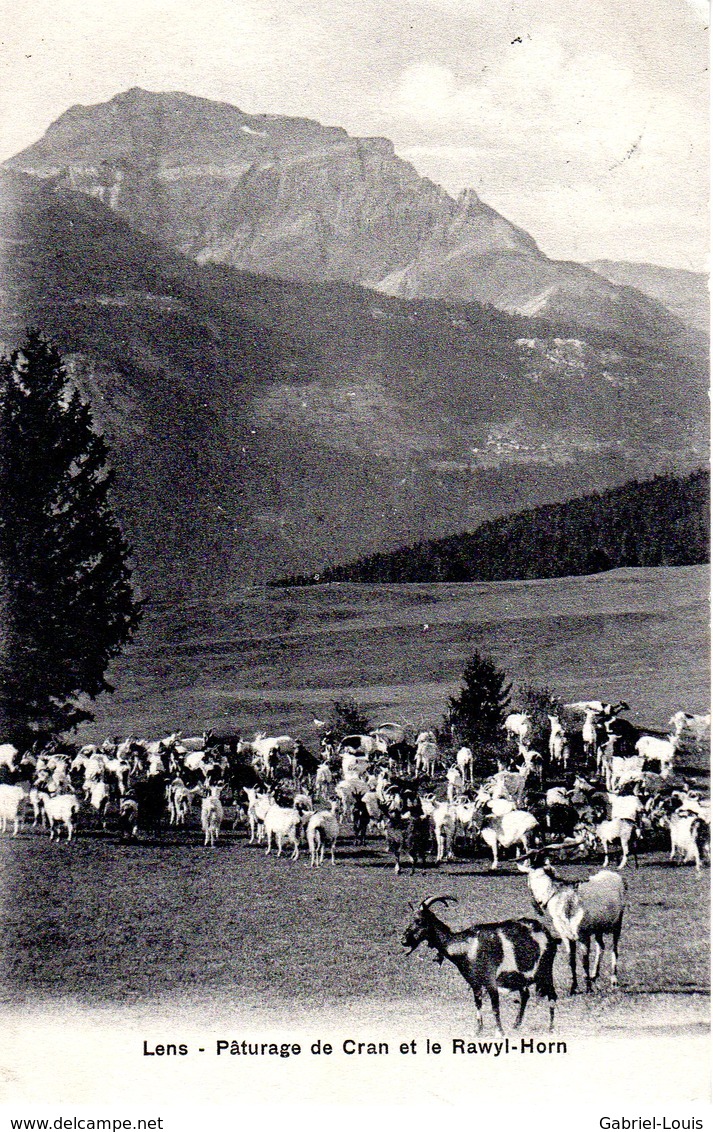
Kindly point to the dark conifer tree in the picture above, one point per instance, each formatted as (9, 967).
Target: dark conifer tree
(68, 605)
(477, 713)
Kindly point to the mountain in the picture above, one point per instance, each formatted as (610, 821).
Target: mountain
(685, 293)
(289, 198)
(261, 426)
(660, 522)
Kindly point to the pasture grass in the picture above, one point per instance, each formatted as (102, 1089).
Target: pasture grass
(102, 921)
(276, 658)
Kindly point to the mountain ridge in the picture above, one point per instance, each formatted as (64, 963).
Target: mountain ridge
(291, 425)
(290, 198)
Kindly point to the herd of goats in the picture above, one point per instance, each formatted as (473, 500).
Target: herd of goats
(599, 783)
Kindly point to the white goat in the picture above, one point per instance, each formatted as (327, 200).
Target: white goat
(323, 779)
(580, 912)
(284, 825)
(11, 799)
(258, 805)
(518, 725)
(426, 758)
(443, 817)
(322, 830)
(464, 762)
(454, 778)
(662, 751)
(589, 733)
(212, 816)
(686, 829)
(512, 828)
(60, 810)
(8, 755)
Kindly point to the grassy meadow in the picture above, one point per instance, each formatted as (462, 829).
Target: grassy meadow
(277, 658)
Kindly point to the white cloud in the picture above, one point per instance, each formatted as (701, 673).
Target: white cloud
(494, 94)
(567, 145)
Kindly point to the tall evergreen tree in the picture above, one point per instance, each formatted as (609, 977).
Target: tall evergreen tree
(477, 713)
(66, 601)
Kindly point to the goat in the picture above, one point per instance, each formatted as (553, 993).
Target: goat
(464, 762)
(688, 831)
(323, 779)
(11, 799)
(557, 743)
(454, 778)
(128, 817)
(285, 825)
(512, 828)
(322, 828)
(407, 831)
(513, 954)
(60, 810)
(258, 805)
(579, 912)
(426, 758)
(589, 734)
(443, 817)
(518, 725)
(212, 816)
(662, 750)
(698, 725)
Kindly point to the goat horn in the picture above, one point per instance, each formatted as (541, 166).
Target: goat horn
(447, 899)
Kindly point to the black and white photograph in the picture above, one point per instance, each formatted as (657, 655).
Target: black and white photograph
(354, 561)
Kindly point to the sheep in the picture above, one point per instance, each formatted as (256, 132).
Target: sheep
(322, 828)
(212, 816)
(60, 810)
(513, 954)
(11, 799)
(579, 912)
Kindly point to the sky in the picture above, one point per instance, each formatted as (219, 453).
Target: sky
(583, 121)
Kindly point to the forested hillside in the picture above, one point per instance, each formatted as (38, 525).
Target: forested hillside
(660, 522)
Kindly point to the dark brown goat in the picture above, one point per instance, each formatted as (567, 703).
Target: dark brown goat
(513, 954)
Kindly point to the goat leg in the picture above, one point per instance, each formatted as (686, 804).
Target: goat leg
(495, 1003)
(573, 966)
(477, 995)
(615, 955)
(524, 996)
